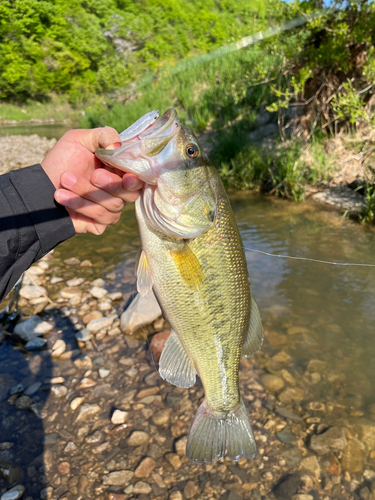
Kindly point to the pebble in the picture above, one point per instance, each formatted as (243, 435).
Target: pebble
(137, 438)
(98, 282)
(191, 489)
(46, 493)
(86, 383)
(145, 468)
(70, 447)
(285, 436)
(302, 497)
(58, 348)
(87, 412)
(332, 440)
(98, 292)
(17, 389)
(14, 493)
(157, 344)
(73, 261)
(97, 324)
(105, 306)
(92, 315)
(162, 417)
(83, 335)
(315, 365)
(180, 446)
(291, 394)
(103, 372)
(311, 465)
(119, 417)
(60, 391)
(75, 282)
(272, 383)
(352, 458)
(32, 292)
(55, 280)
(118, 478)
(64, 468)
(142, 487)
(31, 328)
(174, 460)
(175, 495)
(115, 296)
(35, 344)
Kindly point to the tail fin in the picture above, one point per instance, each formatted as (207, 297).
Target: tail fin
(211, 434)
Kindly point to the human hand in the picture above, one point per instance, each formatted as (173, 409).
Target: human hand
(93, 196)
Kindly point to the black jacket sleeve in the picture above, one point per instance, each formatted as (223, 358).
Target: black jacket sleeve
(31, 222)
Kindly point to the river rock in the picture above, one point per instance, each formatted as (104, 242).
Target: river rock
(145, 468)
(291, 394)
(142, 311)
(83, 335)
(180, 446)
(115, 296)
(59, 391)
(32, 292)
(174, 460)
(311, 465)
(103, 372)
(95, 325)
(119, 417)
(14, 493)
(342, 197)
(137, 438)
(35, 344)
(75, 282)
(33, 388)
(10, 472)
(368, 433)
(157, 344)
(92, 315)
(191, 489)
(118, 478)
(352, 458)
(288, 486)
(98, 292)
(162, 417)
(58, 348)
(315, 365)
(142, 487)
(87, 412)
(333, 439)
(31, 328)
(272, 383)
(76, 402)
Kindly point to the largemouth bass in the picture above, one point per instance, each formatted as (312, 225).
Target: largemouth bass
(193, 259)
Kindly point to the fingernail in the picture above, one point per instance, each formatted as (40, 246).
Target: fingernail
(69, 179)
(62, 196)
(101, 180)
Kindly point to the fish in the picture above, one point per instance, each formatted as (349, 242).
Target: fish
(193, 259)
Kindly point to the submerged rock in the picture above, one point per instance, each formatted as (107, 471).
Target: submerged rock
(14, 493)
(333, 439)
(31, 328)
(142, 311)
(118, 478)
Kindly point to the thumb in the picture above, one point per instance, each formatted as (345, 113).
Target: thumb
(95, 138)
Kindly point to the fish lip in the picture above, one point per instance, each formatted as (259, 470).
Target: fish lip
(161, 124)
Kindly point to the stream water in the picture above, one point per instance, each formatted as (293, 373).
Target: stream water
(319, 317)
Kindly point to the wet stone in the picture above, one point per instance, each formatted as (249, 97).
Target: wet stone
(95, 325)
(311, 465)
(14, 493)
(32, 292)
(162, 417)
(174, 460)
(118, 478)
(175, 495)
(291, 394)
(285, 436)
(142, 487)
(31, 328)
(180, 446)
(73, 261)
(87, 412)
(64, 468)
(288, 486)
(17, 389)
(59, 391)
(98, 292)
(191, 489)
(35, 344)
(23, 402)
(58, 348)
(10, 473)
(154, 451)
(333, 439)
(70, 447)
(145, 468)
(272, 383)
(119, 417)
(103, 372)
(46, 493)
(157, 344)
(284, 412)
(137, 438)
(83, 335)
(315, 365)
(352, 459)
(75, 282)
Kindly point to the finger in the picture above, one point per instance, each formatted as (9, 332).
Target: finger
(95, 138)
(84, 188)
(84, 225)
(127, 188)
(90, 209)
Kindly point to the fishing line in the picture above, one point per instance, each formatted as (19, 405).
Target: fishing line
(281, 256)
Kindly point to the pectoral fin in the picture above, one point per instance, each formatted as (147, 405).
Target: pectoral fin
(144, 281)
(254, 338)
(175, 366)
(188, 266)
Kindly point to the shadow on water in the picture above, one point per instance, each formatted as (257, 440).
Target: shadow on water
(26, 384)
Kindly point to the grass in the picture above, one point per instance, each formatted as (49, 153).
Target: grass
(56, 108)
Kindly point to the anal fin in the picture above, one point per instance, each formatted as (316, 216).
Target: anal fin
(175, 366)
(254, 338)
(144, 281)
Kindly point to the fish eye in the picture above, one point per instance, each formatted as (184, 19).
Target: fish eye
(192, 151)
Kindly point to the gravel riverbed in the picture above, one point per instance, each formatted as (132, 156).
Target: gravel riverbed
(18, 151)
(85, 415)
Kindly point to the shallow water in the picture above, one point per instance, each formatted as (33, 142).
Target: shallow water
(311, 311)
(49, 130)
(333, 305)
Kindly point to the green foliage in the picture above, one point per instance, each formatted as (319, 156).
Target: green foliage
(94, 46)
(367, 214)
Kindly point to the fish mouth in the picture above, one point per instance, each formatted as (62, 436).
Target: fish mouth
(139, 154)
